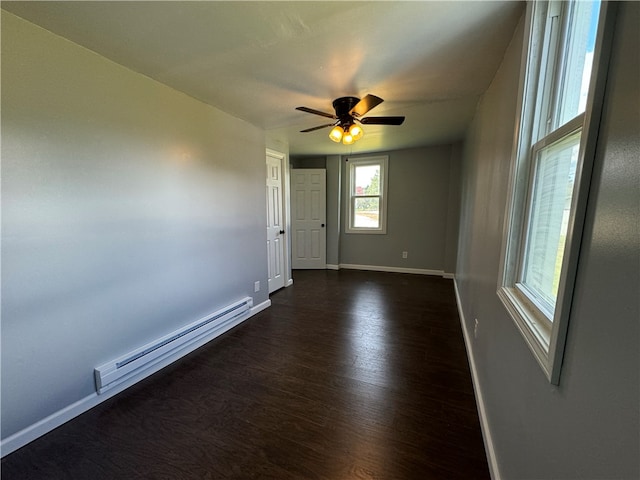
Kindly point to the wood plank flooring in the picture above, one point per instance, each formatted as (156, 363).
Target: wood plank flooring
(349, 375)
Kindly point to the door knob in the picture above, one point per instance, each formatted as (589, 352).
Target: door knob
(322, 225)
(281, 232)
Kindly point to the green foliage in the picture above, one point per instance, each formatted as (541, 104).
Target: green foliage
(374, 187)
(370, 204)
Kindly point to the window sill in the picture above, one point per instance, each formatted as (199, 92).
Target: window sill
(368, 232)
(533, 328)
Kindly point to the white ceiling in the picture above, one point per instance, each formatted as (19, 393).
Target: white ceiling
(429, 60)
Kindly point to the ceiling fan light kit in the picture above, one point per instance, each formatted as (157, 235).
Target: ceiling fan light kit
(348, 139)
(336, 134)
(346, 134)
(356, 132)
(349, 111)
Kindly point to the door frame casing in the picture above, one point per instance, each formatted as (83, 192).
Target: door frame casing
(286, 211)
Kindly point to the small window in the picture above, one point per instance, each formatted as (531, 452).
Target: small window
(367, 183)
(561, 87)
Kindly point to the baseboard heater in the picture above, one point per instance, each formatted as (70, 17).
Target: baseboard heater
(176, 343)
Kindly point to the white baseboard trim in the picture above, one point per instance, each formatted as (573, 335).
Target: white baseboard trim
(448, 275)
(380, 268)
(484, 423)
(332, 267)
(32, 432)
(258, 308)
(288, 284)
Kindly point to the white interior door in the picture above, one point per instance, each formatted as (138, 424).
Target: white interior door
(308, 218)
(275, 223)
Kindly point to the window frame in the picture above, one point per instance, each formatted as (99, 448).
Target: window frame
(352, 163)
(545, 336)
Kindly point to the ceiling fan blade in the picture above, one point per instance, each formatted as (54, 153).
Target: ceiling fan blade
(317, 128)
(316, 112)
(364, 105)
(382, 120)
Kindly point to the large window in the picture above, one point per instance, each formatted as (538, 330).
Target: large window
(367, 183)
(561, 87)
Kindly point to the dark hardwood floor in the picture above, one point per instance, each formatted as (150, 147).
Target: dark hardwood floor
(349, 375)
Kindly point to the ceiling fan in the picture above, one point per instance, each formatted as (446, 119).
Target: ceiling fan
(349, 112)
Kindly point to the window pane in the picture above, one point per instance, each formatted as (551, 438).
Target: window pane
(366, 212)
(367, 180)
(549, 216)
(578, 55)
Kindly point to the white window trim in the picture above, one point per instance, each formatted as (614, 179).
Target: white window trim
(545, 338)
(352, 162)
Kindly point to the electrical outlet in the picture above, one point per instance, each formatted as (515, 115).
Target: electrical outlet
(405, 254)
(256, 287)
(475, 329)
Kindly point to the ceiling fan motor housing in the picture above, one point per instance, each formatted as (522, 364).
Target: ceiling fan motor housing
(343, 106)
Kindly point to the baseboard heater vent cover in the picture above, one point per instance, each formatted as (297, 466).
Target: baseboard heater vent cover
(133, 363)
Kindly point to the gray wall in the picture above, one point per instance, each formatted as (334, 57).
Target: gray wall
(588, 426)
(418, 212)
(333, 210)
(125, 214)
(308, 162)
(453, 209)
